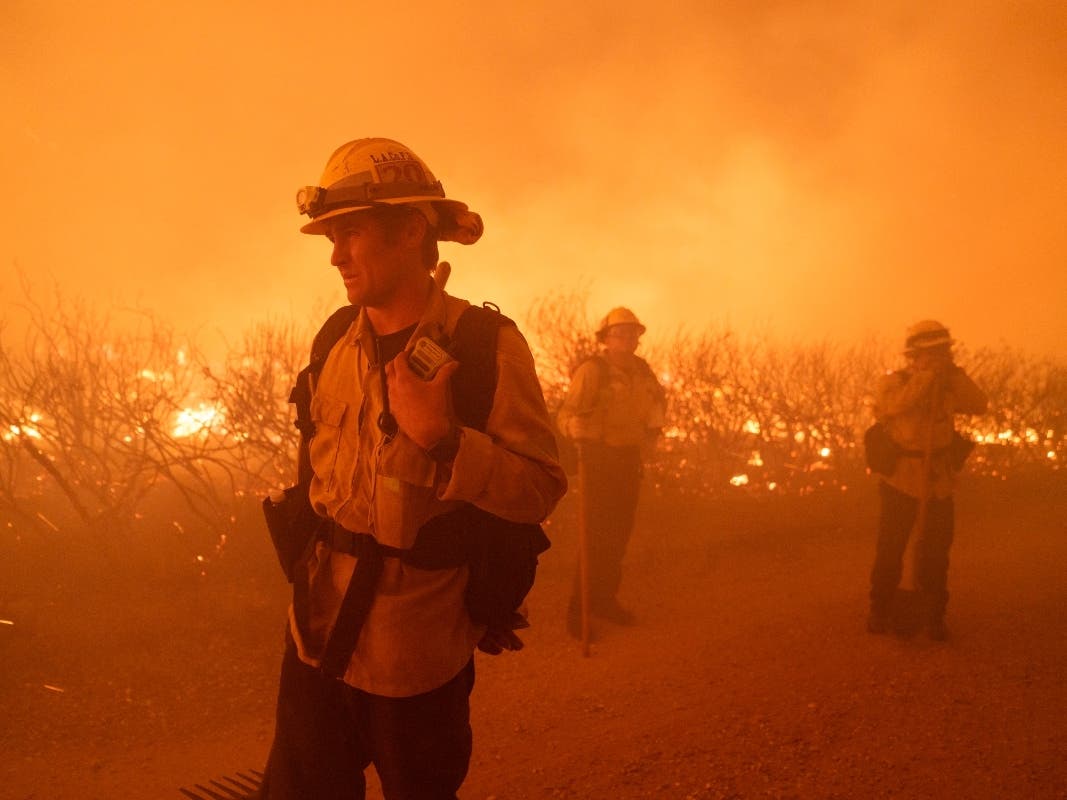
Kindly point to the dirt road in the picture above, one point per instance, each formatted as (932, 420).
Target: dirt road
(749, 675)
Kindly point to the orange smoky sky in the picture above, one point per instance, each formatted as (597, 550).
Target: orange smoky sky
(816, 170)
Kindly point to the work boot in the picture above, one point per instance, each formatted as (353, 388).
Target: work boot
(937, 630)
(877, 622)
(613, 612)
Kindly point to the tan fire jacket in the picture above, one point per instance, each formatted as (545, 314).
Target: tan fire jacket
(617, 405)
(918, 409)
(417, 634)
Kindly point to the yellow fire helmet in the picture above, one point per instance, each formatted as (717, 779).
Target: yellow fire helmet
(618, 316)
(925, 334)
(369, 172)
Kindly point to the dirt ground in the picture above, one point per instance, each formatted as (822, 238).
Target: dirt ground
(749, 674)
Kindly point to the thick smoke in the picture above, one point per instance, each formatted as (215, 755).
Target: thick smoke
(818, 172)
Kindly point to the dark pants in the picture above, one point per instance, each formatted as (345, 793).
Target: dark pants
(327, 733)
(897, 517)
(612, 484)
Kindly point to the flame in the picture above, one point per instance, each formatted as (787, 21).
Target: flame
(18, 429)
(191, 421)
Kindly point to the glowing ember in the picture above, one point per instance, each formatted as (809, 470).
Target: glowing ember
(739, 480)
(824, 452)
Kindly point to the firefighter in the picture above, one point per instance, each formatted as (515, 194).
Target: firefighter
(917, 407)
(614, 409)
(385, 679)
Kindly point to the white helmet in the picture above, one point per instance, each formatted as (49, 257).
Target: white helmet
(618, 316)
(925, 334)
(371, 172)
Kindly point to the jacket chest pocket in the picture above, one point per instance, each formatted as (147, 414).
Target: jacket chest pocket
(327, 449)
(404, 491)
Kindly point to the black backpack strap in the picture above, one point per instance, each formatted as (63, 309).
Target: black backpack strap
(294, 525)
(474, 343)
(331, 331)
(501, 555)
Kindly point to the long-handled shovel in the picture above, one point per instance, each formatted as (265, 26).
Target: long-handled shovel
(924, 488)
(583, 545)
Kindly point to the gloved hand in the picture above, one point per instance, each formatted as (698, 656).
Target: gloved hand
(497, 640)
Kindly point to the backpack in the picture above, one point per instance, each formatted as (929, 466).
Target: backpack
(501, 555)
(881, 450)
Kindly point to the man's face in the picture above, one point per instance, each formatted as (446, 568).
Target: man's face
(935, 358)
(372, 263)
(622, 338)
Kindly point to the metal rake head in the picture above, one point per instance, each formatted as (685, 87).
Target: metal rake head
(243, 786)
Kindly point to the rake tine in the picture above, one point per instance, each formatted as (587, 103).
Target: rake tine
(247, 783)
(207, 793)
(228, 794)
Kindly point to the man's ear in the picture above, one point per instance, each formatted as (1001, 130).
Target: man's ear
(415, 228)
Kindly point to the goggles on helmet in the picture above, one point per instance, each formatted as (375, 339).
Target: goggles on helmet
(315, 200)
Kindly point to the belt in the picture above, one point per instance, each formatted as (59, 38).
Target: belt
(360, 545)
(438, 551)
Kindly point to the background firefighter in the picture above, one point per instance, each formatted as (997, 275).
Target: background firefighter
(379, 659)
(614, 409)
(917, 406)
